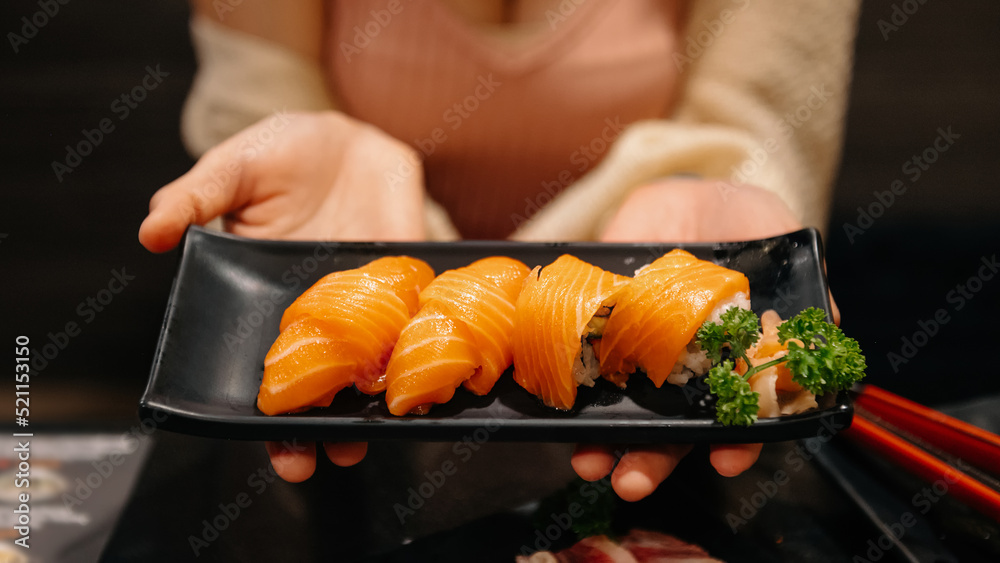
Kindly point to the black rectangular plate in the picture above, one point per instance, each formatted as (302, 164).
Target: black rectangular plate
(229, 293)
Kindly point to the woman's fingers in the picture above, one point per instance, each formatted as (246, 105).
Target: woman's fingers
(164, 226)
(292, 463)
(641, 470)
(732, 459)
(834, 310)
(592, 462)
(208, 190)
(297, 462)
(345, 454)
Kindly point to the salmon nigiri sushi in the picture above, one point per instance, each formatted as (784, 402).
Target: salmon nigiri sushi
(558, 324)
(657, 315)
(460, 336)
(341, 331)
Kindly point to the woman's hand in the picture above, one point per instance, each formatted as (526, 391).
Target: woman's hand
(298, 176)
(296, 462)
(692, 210)
(683, 210)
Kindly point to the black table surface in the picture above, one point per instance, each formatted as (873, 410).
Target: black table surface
(786, 508)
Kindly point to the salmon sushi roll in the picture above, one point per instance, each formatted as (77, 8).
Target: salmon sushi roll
(403, 276)
(558, 323)
(340, 332)
(460, 336)
(654, 322)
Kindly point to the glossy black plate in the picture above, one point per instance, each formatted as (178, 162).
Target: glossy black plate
(229, 293)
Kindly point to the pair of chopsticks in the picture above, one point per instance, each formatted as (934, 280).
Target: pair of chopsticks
(930, 444)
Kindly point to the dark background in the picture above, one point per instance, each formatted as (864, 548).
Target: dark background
(62, 240)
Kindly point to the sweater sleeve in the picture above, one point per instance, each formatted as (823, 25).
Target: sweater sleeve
(762, 102)
(242, 79)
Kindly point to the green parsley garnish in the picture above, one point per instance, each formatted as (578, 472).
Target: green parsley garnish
(738, 330)
(827, 361)
(736, 404)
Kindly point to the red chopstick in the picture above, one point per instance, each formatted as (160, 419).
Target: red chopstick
(957, 439)
(960, 439)
(925, 465)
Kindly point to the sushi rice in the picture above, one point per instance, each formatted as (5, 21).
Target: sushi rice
(693, 361)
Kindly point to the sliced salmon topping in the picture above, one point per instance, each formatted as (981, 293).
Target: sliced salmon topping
(340, 332)
(660, 311)
(555, 306)
(472, 311)
(483, 295)
(435, 354)
(305, 368)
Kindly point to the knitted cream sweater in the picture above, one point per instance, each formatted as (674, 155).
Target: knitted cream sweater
(763, 93)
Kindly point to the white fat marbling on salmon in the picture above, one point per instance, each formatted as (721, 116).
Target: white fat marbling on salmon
(291, 349)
